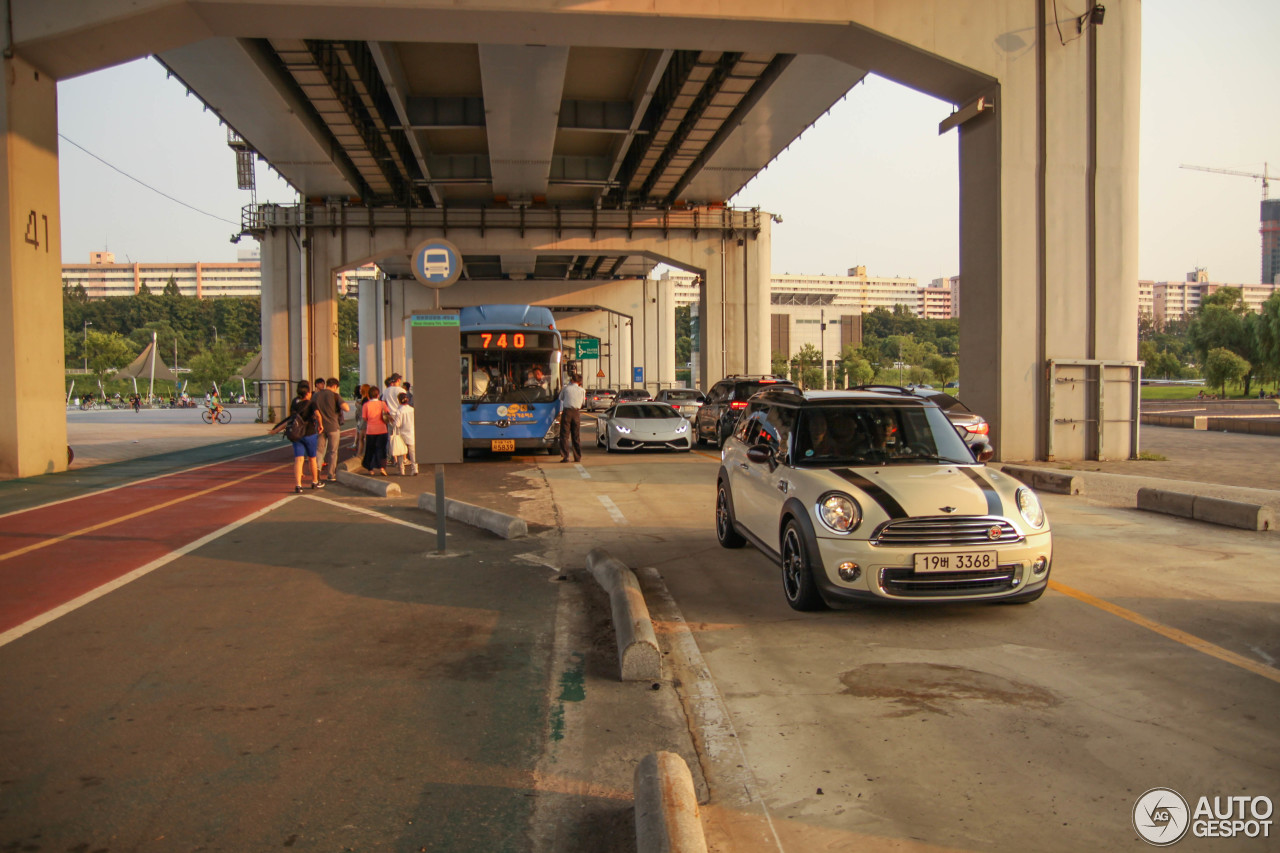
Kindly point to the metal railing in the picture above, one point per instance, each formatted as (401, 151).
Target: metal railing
(257, 219)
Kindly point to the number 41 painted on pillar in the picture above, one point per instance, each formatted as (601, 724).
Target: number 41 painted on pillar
(33, 230)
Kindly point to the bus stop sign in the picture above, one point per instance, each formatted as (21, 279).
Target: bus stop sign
(437, 263)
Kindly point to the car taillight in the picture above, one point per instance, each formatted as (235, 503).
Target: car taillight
(980, 429)
(741, 404)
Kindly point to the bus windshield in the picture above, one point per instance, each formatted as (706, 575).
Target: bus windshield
(510, 376)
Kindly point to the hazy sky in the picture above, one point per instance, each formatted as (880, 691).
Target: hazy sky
(871, 183)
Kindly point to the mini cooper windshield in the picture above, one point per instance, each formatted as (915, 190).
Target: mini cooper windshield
(874, 434)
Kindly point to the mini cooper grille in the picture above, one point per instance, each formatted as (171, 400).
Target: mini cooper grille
(942, 531)
(912, 584)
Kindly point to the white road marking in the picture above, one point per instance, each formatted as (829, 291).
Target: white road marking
(110, 586)
(582, 471)
(614, 512)
(375, 514)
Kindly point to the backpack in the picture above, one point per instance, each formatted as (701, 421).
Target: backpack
(295, 429)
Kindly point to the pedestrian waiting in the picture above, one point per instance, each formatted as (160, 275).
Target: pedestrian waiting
(377, 422)
(302, 426)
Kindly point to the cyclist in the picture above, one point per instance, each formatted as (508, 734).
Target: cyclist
(215, 407)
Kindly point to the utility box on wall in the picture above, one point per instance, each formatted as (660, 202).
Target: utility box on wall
(435, 355)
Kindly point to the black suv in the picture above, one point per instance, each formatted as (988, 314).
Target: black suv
(725, 402)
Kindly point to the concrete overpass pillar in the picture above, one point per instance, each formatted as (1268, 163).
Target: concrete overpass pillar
(33, 427)
(279, 263)
(1048, 249)
(734, 308)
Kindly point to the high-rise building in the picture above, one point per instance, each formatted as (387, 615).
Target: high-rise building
(1271, 241)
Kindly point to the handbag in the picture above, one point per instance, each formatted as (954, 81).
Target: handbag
(388, 418)
(396, 446)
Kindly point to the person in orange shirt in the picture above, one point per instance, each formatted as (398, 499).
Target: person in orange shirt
(375, 433)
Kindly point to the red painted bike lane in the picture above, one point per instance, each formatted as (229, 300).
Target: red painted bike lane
(54, 554)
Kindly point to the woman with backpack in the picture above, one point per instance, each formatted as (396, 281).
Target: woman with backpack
(377, 419)
(302, 427)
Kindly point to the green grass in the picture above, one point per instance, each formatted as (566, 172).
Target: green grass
(1145, 456)
(1189, 392)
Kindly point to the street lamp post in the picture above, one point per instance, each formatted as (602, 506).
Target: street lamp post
(87, 324)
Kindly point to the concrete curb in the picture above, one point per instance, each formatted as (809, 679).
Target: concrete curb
(1046, 480)
(667, 818)
(1245, 516)
(638, 653)
(506, 526)
(380, 486)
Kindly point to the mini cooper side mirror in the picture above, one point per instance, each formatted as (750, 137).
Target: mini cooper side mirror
(759, 454)
(983, 452)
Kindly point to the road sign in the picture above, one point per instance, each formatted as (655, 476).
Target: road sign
(637, 374)
(599, 374)
(437, 263)
(588, 348)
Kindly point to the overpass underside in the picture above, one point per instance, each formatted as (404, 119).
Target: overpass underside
(626, 109)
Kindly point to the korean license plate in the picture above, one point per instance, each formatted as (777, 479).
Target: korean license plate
(503, 445)
(956, 561)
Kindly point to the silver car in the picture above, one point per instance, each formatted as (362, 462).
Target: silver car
(686, 401)
(860, 495)
(635, 426)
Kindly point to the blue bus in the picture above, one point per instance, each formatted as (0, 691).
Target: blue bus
(510, 378)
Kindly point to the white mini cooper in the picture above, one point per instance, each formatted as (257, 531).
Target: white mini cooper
(862, 495)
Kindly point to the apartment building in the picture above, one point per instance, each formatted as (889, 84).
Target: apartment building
(103, 277)
(1173, 300)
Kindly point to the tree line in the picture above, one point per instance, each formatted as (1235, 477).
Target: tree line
(898, 348)
(1223, 342)
(213, 338)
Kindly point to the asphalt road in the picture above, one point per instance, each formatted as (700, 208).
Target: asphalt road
(1151, 663)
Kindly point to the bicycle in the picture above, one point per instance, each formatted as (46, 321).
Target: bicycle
(223, 416)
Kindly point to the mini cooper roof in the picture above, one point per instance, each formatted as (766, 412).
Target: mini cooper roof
(808, 399)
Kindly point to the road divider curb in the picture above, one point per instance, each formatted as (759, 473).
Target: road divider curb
(506, 526)
(638, 653)
(1046, 479)
(379, 486)
(667, 818)
(1245, 516)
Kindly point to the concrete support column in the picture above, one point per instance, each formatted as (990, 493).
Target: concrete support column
(323, 328)
(713, 312)
(279, 261)
(367, 306)
(33, 433)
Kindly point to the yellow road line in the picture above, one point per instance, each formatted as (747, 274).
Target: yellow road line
(1189, 640)
(90, 529)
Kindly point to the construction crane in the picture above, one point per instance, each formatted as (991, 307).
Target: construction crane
(1264, 176)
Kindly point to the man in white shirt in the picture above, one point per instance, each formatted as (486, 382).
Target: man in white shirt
(571, 400)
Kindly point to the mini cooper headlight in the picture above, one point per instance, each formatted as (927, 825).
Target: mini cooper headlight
(1029, 506)
(839, 513)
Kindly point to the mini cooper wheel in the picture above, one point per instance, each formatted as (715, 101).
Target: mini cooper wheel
(797, 574)
(726, 533)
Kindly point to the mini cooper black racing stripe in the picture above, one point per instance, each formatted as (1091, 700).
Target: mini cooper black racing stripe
(994, 504)
(891, 507)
